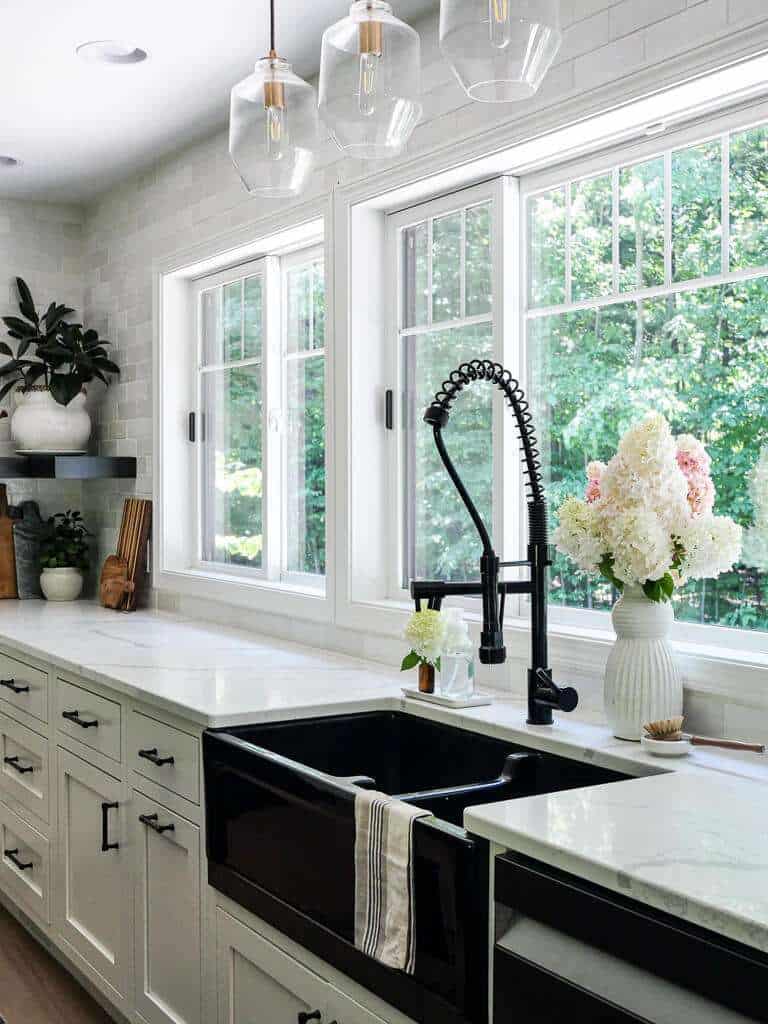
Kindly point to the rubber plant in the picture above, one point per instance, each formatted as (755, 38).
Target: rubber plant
(52, 352)
(64, 545)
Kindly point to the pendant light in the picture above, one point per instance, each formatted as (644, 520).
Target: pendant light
(370, 81)
(273, 126)
(500, 50)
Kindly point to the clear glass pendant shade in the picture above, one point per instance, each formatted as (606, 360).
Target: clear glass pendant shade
(370, 81)
(500, 50)
(273, 130)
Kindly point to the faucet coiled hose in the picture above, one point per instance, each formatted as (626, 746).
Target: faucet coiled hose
(438, 412)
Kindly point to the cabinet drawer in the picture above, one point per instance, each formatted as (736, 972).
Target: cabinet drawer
(89, 718)
(25, 865)
(165, 755)
(23, 687)
(24, 773)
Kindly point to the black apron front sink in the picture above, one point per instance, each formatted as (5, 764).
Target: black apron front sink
(280, 832)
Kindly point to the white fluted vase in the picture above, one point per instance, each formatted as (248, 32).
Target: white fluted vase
(642, 680)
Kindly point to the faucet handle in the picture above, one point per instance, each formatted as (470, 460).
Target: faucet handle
(564, 698)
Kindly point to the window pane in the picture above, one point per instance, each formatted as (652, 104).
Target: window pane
(232, 467)
(318, 295)
(641, 225)
(305, 466)
(210, 324)
(299, 284)
(415, 276)
(446, 267)
(749, 198)
(441, 541)
(478, 266)
(592, 237)
(696, 211)
(253, 317)
(233, 321)
(700, 358)
(546, 248)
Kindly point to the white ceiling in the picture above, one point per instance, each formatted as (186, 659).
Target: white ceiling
(80, 127)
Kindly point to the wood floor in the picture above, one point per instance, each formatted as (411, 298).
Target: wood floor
(34, 988)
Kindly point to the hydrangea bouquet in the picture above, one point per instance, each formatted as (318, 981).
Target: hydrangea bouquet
(431, 634)
(647, 516)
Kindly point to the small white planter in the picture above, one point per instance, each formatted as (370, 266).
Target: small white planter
(642, 681)
(40, 424)
(61, 584)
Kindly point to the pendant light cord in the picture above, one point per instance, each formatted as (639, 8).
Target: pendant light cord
(272, 26)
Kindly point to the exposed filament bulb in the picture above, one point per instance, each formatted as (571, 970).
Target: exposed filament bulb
(370, 33)
(500, 23)
(276, 121)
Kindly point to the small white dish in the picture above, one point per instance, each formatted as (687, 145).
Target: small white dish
(477, 700)
(665, 748)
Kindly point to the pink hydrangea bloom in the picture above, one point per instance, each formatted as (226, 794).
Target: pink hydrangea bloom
(694, 461)
(594, 474)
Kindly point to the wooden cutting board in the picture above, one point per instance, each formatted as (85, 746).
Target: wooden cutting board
(7, 555)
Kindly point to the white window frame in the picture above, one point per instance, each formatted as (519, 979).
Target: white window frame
(718, 128)
(291, 261)
(176, 535)
(501, 193)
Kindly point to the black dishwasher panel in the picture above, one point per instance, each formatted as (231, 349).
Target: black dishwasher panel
(723, 971)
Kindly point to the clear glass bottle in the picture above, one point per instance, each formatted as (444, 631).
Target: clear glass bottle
(457, 675)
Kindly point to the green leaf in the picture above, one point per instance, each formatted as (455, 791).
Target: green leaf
(64, 387)
(410, 661)
(6, 350)
(8, 386)
(21, 327)
(26, 302)
(109, 366)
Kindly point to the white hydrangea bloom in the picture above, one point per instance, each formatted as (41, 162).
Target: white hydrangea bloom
(578, 534)
(756, 536)
(641, 545)
(425, 633)
(712, 545)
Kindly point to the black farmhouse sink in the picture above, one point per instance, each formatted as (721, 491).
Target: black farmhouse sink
(280, 836)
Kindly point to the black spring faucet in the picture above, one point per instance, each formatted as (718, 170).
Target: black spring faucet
(543, 694)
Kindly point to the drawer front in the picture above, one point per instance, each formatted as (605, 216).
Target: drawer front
(89, 718)
(525, 993)
(25, 865)
(23, 687)
(24, 771)
(165, 755)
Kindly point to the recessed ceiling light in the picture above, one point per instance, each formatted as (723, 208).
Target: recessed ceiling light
(9, 161)
(111, 51)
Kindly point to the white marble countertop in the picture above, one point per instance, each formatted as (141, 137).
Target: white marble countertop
(689, 836)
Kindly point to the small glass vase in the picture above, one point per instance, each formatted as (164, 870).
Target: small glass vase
(457, 675)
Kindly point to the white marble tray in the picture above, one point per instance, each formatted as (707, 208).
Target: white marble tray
(477, 700)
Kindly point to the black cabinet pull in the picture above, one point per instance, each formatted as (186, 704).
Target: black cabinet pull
(10, 684)
(20, 768)
(84, 723)
(105, 843)
(304, 1018)
(153, 756)
(150, 820)
(13, 857)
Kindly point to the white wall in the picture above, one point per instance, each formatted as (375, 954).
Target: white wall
(43, 243)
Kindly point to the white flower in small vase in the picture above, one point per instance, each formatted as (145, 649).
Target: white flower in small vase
(647, 526)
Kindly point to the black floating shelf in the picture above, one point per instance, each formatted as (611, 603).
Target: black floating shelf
(67, 467)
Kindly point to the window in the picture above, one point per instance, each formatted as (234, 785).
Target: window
(444, 316)
(260, 420)
(647, 288)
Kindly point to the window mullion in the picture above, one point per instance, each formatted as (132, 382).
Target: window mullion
(273, 425)
(615, 228)
(568, 271)
(668, 219)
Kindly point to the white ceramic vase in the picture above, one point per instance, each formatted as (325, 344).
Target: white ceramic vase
(40, 424)
(642, 680)
(61, 584)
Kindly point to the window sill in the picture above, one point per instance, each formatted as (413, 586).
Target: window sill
(272, 597)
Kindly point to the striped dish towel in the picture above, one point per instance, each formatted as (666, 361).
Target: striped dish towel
(385, 920)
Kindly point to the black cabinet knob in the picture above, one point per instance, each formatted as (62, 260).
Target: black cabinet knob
(13, 857)
(13, 762)
(106, 845)
(151, 821)
(304, 1018)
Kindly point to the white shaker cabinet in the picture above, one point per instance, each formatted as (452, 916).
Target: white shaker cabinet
(168, 961)
(93, 868)
(260, 984)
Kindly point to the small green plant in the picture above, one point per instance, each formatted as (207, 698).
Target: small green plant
(64, 545)
(66, 357)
